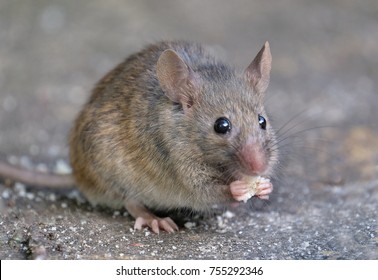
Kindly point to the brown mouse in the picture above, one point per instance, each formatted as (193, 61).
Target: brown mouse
(171, 127)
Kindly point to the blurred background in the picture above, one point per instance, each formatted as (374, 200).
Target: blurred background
(325, 66)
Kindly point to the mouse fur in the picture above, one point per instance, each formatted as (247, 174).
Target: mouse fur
(146, 136)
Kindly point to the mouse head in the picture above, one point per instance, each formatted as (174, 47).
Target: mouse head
(224, 111)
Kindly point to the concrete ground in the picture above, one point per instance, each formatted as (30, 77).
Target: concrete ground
(323, 95)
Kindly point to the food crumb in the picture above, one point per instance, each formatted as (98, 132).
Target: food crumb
(253, 185)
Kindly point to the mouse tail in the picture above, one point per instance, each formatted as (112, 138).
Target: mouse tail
(35, 178)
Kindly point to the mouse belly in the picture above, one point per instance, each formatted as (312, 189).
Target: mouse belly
(170, 196)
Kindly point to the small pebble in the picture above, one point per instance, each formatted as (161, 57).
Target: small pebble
(5, 194)
(52, 197)
(228, 214)
(189, 225)
(20, 189)
(61, 167)
(30, 196)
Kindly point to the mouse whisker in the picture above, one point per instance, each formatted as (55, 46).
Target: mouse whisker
(291, 120)
(295, 134)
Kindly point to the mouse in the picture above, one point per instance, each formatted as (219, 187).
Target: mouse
(171, 127)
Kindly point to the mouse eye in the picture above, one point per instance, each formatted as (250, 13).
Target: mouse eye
(222, 125)
(262, 122)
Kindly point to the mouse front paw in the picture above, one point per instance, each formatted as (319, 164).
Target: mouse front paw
(264, 189)
(242, 190)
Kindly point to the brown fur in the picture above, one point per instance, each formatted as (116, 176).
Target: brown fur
(131, 141)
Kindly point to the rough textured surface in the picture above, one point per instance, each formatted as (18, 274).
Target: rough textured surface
(323, 95)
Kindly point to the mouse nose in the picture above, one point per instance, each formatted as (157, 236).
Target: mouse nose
(253, 158)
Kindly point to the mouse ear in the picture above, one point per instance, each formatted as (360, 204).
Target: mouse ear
(176, 78)
(258, 72)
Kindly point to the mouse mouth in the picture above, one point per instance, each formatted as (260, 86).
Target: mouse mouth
(239, 171)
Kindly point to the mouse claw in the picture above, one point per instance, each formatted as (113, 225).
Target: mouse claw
(168, 225)
(264, 190)
(139, 223)
(144, 218)
(155, 224)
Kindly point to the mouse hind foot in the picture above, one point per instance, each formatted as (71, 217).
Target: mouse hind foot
(145, 218)
(156, 223)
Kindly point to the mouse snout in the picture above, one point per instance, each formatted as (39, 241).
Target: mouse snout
(253, 158)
